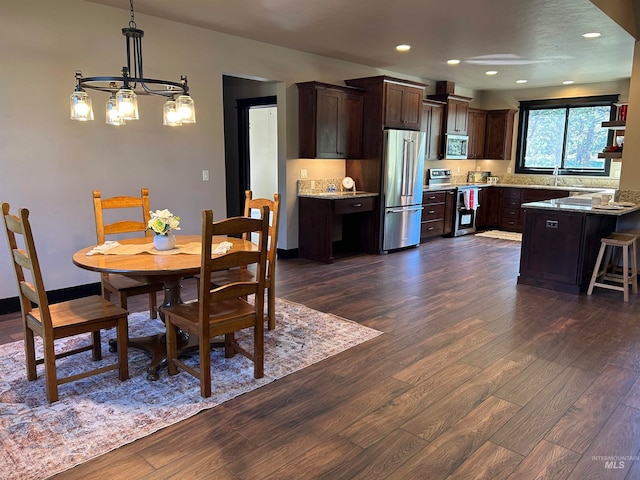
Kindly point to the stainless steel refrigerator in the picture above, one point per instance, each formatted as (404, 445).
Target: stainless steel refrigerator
(402, 179)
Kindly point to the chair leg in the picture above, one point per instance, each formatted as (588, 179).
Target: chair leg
(153, 309)
(122, 337)
(205, 366)
(596, 269)
(50, 374)
(96, 350)
(258, 350)
(271, 308)
(625, 272)
(172, 346)
(229, 349)
(30, 355)
(634, 268)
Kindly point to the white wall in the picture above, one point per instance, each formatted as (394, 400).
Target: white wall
(51, 164)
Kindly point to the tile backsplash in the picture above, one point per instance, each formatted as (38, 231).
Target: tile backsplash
(318, 185)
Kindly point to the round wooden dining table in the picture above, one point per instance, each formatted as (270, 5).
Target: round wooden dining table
(152, 266)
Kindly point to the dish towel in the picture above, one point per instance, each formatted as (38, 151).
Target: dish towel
(471, 199)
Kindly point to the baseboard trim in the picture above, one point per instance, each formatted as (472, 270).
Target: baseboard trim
(11, 305)
(287, 254)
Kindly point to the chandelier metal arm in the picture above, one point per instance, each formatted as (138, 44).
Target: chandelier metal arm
(171, 88)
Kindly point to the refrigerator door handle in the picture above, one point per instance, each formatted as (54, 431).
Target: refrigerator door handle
(403, 210)
(403, 180)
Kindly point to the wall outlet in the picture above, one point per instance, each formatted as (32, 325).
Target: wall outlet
(205, 175)
(303, 173)
(508, 169)
(313, 185)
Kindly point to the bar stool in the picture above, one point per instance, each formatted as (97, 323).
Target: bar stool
(605, 270)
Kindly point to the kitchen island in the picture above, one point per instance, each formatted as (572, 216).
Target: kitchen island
(561, 239)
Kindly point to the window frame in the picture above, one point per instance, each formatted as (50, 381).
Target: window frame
(567, 103)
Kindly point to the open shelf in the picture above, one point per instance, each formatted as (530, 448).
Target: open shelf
(614, 124)
(610, 155)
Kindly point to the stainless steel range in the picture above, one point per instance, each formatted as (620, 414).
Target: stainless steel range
(464, 221)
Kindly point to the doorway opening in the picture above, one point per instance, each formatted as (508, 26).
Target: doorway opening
(251, 148)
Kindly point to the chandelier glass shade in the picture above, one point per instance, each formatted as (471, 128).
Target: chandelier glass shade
(124, 89)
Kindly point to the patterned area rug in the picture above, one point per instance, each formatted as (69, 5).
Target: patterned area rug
(500, 234)
(100, 413)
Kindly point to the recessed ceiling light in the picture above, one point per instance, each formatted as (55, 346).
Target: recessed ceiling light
(491, 72)
(521, 81)
(453, 61)
(568, 82)
(591, 35)
(403, 48)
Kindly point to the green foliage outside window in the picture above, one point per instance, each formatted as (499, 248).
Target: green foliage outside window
(564, 133)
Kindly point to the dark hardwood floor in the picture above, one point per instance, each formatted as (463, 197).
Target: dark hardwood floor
(474, 377)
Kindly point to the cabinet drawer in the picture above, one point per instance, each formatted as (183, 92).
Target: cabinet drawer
(433, 212)
(353, 205)
(513, 213)
(433, 197)
(433, 228)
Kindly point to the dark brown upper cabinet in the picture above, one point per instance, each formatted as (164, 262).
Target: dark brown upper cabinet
(432, 116)
(477, 129)
(456, 114)
(499, 134)
(330, 121)
(403, 105)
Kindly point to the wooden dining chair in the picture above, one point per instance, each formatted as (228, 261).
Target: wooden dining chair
(119, 285)
(243, 273)
(223, 310)
(59, 320)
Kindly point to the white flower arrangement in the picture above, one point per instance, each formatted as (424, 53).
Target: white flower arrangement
(162, 222)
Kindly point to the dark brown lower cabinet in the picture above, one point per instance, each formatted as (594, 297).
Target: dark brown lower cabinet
(437, 214)
(560, 248)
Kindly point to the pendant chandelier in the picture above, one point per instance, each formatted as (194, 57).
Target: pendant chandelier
(123, 90)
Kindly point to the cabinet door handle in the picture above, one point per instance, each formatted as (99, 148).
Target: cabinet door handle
(432, 211)
(356, 205)
(552, 223)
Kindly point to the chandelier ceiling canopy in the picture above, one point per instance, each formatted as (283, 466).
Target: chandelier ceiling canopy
(124, 89)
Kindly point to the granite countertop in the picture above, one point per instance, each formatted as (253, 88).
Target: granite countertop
(579, 204)
(338, 195)
(566, 188)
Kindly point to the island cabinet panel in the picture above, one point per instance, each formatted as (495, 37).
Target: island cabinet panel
(477, 128)
(499, 134)
(327, 225)
(559, 249)
(330, 121)
(431, 124)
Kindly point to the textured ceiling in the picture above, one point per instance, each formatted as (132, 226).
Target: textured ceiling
(537, 40)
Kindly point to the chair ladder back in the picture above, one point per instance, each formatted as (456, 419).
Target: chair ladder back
(274, 217)
(121, 226)
(232, 226)
(34, 291)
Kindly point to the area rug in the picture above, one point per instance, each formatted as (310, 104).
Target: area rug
(501, 235)
(100, 413)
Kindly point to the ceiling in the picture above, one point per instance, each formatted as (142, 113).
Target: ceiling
(536, 40)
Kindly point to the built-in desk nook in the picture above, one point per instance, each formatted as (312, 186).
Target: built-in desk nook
(340, 221)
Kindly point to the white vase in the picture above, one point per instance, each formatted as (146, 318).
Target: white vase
(164, 242)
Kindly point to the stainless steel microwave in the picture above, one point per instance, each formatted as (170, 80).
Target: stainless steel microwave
(456, 146)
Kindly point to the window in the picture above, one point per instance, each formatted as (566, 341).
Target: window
(566, 133)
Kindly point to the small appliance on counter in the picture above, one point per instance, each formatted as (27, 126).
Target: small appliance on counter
(478, 177)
